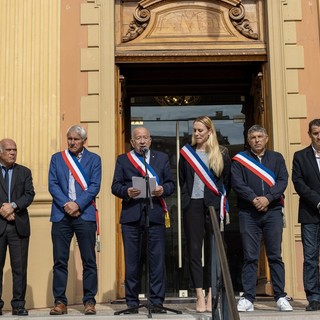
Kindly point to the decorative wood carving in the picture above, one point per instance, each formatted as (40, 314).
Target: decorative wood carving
(191, 18)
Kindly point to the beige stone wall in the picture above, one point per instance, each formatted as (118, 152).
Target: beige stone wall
(285, 58)
(97, 111)
(293, 28)
(308, 37)
(35, 111)
(41, 95)
(29, 113)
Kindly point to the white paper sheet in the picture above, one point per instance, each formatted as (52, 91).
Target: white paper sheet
(140, 184)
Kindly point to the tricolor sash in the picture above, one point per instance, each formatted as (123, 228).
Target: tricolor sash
(137, 161)
(80, 176)
(258, 169)
(208, 179)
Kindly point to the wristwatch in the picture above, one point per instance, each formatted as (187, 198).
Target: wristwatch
(14, 205)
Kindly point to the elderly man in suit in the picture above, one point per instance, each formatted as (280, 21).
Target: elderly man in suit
(306, 180)
(74, 182)
(133, 217)
(16, 194)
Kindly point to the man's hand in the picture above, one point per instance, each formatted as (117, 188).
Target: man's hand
(261, 203)
(11, 217)
(72, 209)
(6, 210)
(133, 192)
(158, 192)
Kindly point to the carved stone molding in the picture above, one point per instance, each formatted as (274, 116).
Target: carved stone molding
(237, 17)
(138, 25)
(142, 15)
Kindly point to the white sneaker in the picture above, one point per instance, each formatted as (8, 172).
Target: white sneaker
(284, 305)
(245, 305)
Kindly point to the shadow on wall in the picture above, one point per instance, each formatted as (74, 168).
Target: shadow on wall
(7, 291)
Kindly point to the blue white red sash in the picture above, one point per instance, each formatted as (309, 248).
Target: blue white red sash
(138, 162)
(258, 169)
(80, 176)
(208, 179)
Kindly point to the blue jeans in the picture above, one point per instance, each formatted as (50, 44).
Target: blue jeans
(310, 233)
(62, 233)
(253, 226)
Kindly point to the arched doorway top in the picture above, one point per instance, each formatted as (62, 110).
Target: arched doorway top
(223, 20)
(147, 3)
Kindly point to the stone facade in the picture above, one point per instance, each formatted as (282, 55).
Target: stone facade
(58, 66)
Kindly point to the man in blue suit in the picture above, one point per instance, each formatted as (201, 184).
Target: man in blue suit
(136, 213)
(74, 182)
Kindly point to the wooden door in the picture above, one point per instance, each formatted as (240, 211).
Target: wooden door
(120, 148)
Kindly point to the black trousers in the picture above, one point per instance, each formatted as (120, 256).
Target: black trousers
(18, 250)
(132, 235)
(197, 228)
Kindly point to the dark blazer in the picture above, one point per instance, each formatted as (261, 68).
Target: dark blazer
(22, 193)
(122, 181)
(247, 185)
(186, 178)
(59, 185)
(306, 181)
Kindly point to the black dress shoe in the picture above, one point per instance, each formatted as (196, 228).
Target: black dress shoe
(313, 306)
(132, 310)
(157, 308)
(20, 312)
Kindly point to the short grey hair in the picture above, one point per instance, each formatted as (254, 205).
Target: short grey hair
(133, 130)
(78, 129)
(257, 128)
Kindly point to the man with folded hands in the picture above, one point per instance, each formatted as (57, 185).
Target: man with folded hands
(74, 182)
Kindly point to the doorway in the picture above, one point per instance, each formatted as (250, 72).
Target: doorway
(166, 98)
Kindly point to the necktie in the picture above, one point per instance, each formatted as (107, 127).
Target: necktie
(6, 178)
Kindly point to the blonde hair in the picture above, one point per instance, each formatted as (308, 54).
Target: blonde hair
(212, 146)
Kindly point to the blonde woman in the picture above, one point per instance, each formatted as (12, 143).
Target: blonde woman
(203, 154)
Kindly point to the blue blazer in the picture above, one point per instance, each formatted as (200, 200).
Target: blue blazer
(122, 181)
(59, 185)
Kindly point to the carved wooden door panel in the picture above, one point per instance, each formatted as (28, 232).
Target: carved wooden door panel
(120, 148)
(262, 116)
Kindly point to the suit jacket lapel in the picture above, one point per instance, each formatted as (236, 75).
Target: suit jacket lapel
(313, 161)
(152, 159)
(2, 182)
(84, 158)
(65, 169)
(15, 174)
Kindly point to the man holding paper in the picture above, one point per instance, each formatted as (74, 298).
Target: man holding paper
(134, 212)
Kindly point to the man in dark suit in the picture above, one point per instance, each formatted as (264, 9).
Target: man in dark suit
(306, 180)
(74, 182)
(16, 194)
(133, 217)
